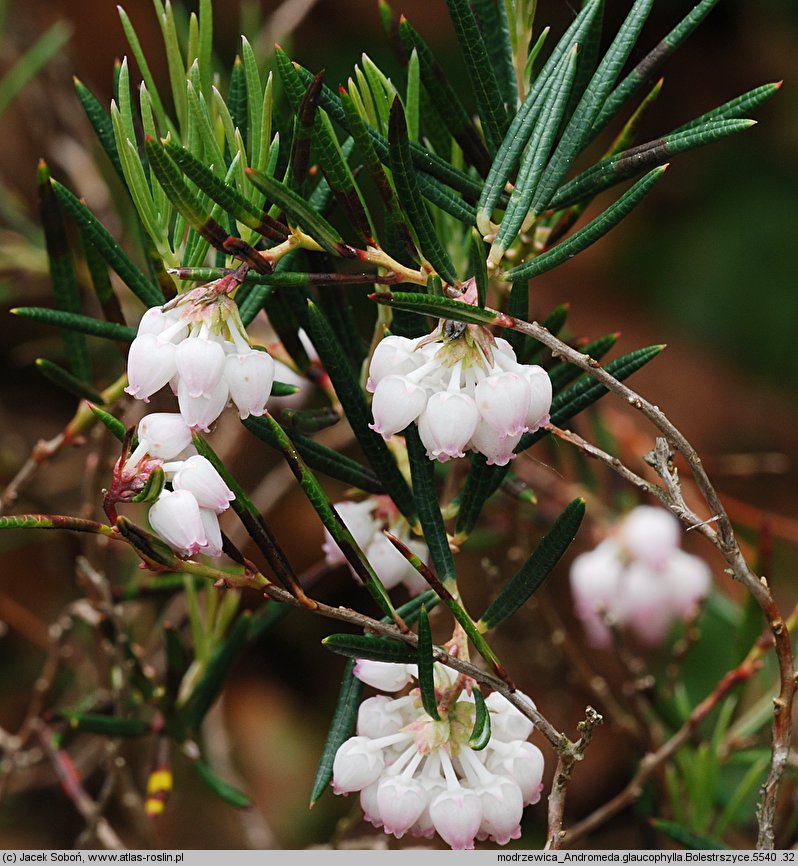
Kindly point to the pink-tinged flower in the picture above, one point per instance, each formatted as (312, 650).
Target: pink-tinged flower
(506, 722)
(357, 765)
(390, 566)
(690, 580)
(200, 412)
(165, 434)
(595, 583)
(540, 396)
(650, 534)
(383, 675)
(502, 808)
(175, 517)
(499, 450)
(369, 804)
(393, 356)
(213, 532)
(397, 402)
(456, 815)
(151, 363)
(401, 801)
(200, 478)
(522, 762)
(447, 424)
(379, 716)
(200, 364)
(358, 517)
(250, 378)
(163, 324)
(503, 401)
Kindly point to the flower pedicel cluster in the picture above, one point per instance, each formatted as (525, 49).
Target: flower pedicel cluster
(469, 392)
(185, 517)
(640, 578)
(199, 346)
(421, 776)
(366, 521)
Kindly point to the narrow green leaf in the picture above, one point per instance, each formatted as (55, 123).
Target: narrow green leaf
(358, 413)
(413, 96)
(342, 726)
(404, 176)
(216, 673)
(585, 392)
(636, 160)
(78, 323)
(223, 790)
(588, 235)
(579, 131)
(523, 123)
(64, 379)
(535, 158)
(439, 307)
(321, 458)
(144, 69)
(66, 294)
(564, 373)
(254, 100)
(444, 98)
(97, 235)
(645, 69)
(299, 211)
(35, 58)
(237, 98)
(329, 517)
(378, 649)
(528, 579)
(101, 121)
(116, 427)
(174, 59)
(480, 735)
(205, 52)
(687, 838)
(107, 726)
(426, 666)
(433, 168)
(734, 108)
(429, 512)
(225, 194)
(490, 104)
(491, 16)
(153, 486)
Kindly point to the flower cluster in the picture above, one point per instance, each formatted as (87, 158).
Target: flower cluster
(366, 521)
(200, 347)
(419, 775)
(185, 517)
(638, 578)
(465, 392)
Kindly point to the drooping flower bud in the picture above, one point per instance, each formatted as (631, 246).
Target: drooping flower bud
(250, 378)
(176, 518)
(151, 364)
(397, 403)
(200, 478)
(503, 401)
(456, 814)
(447, 424)
(401, 802)
(357, 764)
(200, 412)
(383, 675)
(200, 364)
(165, 433)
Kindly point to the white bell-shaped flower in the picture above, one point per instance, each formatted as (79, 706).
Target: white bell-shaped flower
(502, 808)
(175, 517)
(397, 402)
(401, 802)
(394, 355)
(383, 675)
(357, 764)
(595, 585)
(522, 762)
(540, 392)
(369, 804)
(250, 378)
(690, 580)
(200, 412)
(200, 364)
(213, 532)
(447, 424)
(503, 401)
(165, 434)
(650, 534)
(378, 717)
(506, 722)
(390, 566)
(199, 477)
(499, 450)
(358, 517)
(167, 325)
(456, 814)
(151, 363)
